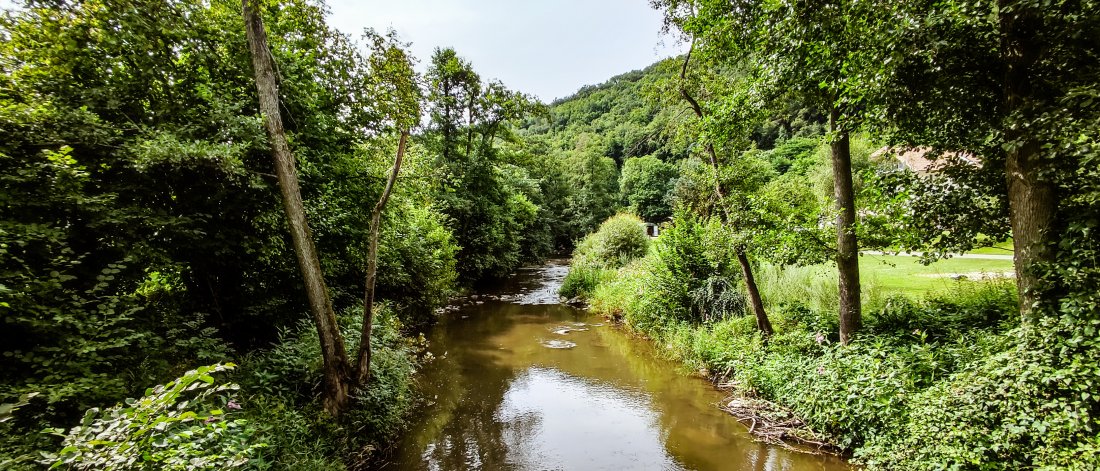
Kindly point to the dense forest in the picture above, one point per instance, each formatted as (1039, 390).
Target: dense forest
(241, 219)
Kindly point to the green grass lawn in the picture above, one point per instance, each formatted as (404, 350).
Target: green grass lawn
(1003, 248)
(880, 276)
(905, 274)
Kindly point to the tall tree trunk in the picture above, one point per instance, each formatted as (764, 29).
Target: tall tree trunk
(1032, 199)
(847, 253)
(336, 368)
(363, 358)
(755, 301)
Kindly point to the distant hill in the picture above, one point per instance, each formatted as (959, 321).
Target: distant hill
(627, 123)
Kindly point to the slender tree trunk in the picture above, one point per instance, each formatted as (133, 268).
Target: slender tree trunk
(847, 254)
(1032, 199)
(755, 301)
(363, 358)
(336, 369)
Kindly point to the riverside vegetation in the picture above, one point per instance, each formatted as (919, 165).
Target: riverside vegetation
(145, 239)
(974, 375)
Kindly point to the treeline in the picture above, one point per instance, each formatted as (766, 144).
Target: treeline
(144, 228)
(1002, 96)
(620, 144)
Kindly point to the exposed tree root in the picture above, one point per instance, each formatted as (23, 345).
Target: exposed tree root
(770, 423)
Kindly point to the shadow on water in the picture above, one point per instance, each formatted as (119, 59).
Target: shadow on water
(522, 382)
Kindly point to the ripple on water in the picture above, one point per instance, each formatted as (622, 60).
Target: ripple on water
(562, 344)
(563, 330)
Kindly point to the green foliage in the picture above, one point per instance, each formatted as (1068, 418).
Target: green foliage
(619, 240)
(582, 280)
(140, 230)
(645, 184)
(716, 299)
(692, 268)
(932, 214)
(628, 296)
(1031, 402)
(800, 288)
(489, 213)
(853, 394)
(594, 178)
(621, 112)
(686, 276)
(283, 383)
(595, 132)
(188, 423)
(795, 155)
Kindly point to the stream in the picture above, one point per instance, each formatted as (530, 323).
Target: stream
(521, 382)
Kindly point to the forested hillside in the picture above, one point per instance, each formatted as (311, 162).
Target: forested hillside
(621, 144)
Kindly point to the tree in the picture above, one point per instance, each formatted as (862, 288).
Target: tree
(1004, 81)
(817, 53)
(399, 94)
(337, 370)
(644, 185)
(468, 118)
(594, 178)
(393, 75)
(756, 302)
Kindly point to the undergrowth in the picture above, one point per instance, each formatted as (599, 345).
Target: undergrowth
(948, 381)
(269, 418)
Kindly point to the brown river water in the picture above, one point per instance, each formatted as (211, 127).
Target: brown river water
(521, 382)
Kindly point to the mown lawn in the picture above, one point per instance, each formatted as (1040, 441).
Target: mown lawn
(905, 274)
(1003, 248)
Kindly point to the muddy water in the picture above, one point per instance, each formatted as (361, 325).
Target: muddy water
(522, 382)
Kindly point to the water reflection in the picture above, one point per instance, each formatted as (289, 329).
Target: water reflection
(554, 420)
(502, 400)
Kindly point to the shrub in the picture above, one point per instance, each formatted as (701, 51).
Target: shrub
(416, 261)
(286, 380)
(716, 299)
(691, 269)
(619, 240)
(187, 423)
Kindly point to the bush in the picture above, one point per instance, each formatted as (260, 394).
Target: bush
(285, 382)
(716, 299)
(188, 423)
(1022, 408)
(619, 240)
(691, 269)
(416, 261)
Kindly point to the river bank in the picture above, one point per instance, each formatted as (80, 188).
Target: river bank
(870, 398)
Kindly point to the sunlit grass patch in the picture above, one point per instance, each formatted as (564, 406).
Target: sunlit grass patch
(906, 275)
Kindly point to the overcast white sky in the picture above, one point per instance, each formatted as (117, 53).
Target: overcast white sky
(548, 48)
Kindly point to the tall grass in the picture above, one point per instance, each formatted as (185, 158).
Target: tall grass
(812, 287)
